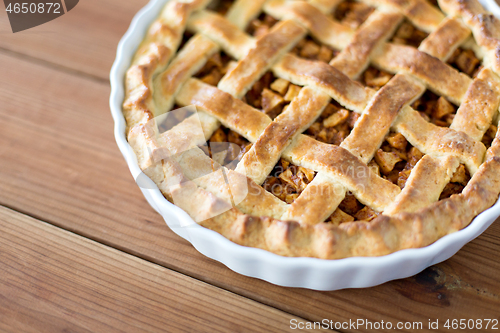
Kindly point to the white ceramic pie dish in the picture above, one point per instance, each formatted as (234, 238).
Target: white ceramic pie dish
(312, 273)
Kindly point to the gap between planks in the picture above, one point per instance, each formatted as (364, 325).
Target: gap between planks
(53, 280)
(411, 297)
(52, 65)
(125, 251)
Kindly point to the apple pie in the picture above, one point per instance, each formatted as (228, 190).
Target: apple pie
(320, 128)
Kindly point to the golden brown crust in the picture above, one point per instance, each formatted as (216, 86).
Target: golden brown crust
(379, 237)
(427, 179)
(480, 104)
(344, 167)
(152, 56)
(266, 151)
(334, 161)
(322, 27)
(326, 78)
(440, 141)
(229, 110)
(485, 28)
(138, 105)
(442, 42)
(422, 14)
(186, 64)
(243, 11)
(320, 198)
(267, 50)
(356, 56)
(230, 203)
(438, 76)
(326, 6)
(374, 124)
(223, 32)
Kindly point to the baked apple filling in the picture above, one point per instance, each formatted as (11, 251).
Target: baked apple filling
(396, 157)
(287, 181)
(393, 161)
(232, 153)
(350, 209)
(435, 109)
(408, 34)
(261, 25)
(465, 61)
(489, 136)
(352, 13)
(374, 78)
(271, 94)
(221, 6)
(215, 68)
(309, 49)
(334, 124)
(457, 183)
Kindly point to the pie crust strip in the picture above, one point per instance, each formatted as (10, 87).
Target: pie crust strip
(383, 235)
(484, 26)
(301, 65)
(154, 53)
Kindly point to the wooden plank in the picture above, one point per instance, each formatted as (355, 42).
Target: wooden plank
(59, 162)
(55, 281)
(83, 40)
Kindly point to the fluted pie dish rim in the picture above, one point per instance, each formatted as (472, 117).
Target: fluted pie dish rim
(312, 273)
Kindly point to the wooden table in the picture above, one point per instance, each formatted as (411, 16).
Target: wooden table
(82, 251)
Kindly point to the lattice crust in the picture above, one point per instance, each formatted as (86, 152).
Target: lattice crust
(405, 157)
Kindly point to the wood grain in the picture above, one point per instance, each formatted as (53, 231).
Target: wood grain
(83, 40)
(60, 163)
(55, 281)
